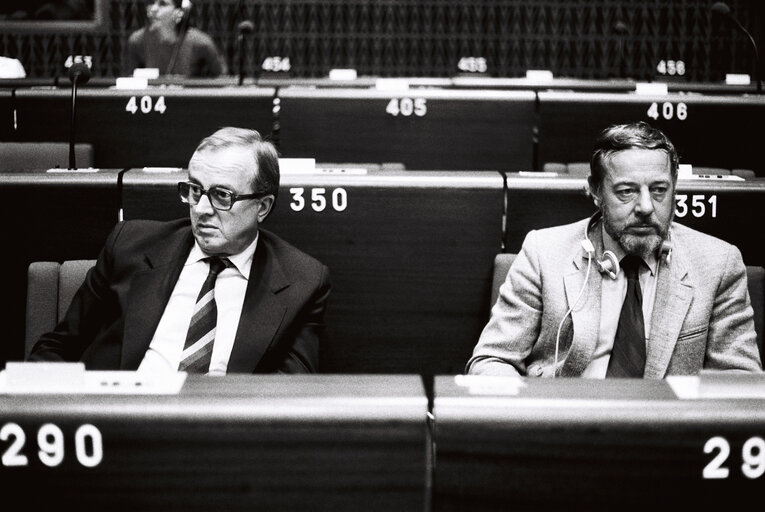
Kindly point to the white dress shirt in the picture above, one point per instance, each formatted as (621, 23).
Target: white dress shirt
(164, 353)
(612, 296)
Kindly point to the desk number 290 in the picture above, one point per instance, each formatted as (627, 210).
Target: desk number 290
(752, 454)
(88, 445)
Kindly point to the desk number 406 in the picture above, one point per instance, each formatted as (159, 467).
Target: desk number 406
(88, 445)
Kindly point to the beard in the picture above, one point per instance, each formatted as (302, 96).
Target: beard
(642, 245)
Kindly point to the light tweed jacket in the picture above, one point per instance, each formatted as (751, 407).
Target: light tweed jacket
(702, 316)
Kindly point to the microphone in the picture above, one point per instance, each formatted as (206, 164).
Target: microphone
(621, 30)
(183, 27)
(246, 27)
(723, 9)
(79, 73)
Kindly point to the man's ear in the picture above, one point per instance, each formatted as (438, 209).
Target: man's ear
(264, 207)
(594, 193)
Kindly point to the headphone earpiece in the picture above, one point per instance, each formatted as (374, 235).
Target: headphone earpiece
(666, 251)
(609, 265)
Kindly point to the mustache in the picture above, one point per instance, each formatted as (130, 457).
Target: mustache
(644, 225)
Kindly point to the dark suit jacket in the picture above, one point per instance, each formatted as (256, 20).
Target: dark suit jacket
(113, 316)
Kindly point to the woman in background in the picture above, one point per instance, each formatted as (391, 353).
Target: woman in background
(167, 43)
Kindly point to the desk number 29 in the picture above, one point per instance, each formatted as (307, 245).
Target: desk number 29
(752, 454)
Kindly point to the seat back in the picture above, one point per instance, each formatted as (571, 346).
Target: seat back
(502, 262)
(26, 156)
(50, 289)
(755, 280)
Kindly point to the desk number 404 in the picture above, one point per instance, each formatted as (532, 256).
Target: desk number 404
(88, 445)
(146, 105)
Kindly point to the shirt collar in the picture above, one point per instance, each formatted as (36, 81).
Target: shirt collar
(609, 244)
(242, 261)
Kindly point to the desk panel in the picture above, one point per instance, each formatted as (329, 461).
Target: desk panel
(420, 128)
(582, 444)
(708, 131)
(410, 256)
(228, 443)
(141, 128)
(50, 217)
(731, 210)
(620, 85)
(6, 115)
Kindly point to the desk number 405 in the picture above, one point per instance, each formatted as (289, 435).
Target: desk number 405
(88, 445)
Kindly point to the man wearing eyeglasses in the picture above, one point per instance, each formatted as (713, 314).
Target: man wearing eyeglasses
(211, 294)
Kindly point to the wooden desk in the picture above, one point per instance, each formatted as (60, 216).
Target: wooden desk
(730, 210)
(49, 217)
(420, 128)
(410, 257)
(708, 131)
(227, 443)
(141, 128)
(582, 444)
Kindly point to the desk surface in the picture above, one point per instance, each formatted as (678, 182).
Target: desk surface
(469, 81)
(592, 444)
(230, 443)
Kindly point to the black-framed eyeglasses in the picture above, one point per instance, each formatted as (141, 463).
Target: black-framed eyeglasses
(220, 198)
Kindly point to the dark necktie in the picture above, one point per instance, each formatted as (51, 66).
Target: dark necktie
(628, 354)
(199, 341)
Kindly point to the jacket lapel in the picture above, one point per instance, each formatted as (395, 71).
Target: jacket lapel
(149, 293)
(585, 317)
(262, 312)
(673, 298)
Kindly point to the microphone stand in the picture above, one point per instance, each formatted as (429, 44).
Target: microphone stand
(77, 72)
(245, 27)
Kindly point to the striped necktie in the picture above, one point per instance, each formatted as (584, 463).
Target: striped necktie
(628, 354)
(197, 350)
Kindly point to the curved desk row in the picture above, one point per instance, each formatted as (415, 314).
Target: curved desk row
(417, 128)
(340, 442)
(410, 253)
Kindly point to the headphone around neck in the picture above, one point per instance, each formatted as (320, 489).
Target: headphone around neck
(608, 264)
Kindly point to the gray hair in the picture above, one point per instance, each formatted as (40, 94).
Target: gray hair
(266, 155)
(619, 137)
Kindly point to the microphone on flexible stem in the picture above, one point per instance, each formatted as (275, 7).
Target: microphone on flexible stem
(79, 73)
(245, 27)
(723, 9)
(621, 30)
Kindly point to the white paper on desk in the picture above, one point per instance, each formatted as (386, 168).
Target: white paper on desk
(490, 385)
(72, 378)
